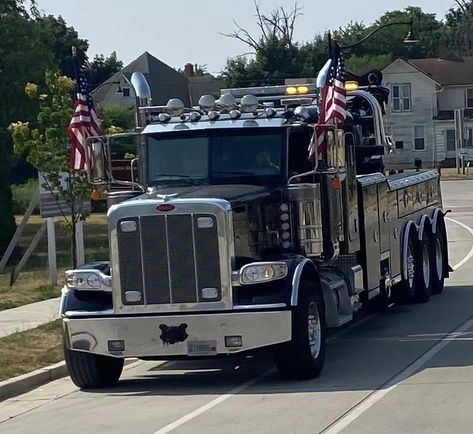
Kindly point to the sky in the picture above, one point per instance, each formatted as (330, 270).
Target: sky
(182, 31)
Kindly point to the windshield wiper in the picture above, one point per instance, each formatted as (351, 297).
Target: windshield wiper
(178, 175)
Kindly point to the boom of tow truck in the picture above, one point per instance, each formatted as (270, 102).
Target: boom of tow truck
(231, 240)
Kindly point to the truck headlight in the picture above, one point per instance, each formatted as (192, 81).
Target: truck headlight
(260, 272)
(88, 280)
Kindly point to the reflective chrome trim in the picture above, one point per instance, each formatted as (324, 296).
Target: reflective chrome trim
(412, 179)
(221, 209)
(142, 336)
(80, 313)
(257, 264)
(260, 306)
(297, 278)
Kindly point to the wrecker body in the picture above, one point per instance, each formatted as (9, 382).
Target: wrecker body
(231, 240)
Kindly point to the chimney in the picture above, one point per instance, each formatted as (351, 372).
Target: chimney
(188, 69)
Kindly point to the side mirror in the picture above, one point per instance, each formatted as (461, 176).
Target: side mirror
(99, 170)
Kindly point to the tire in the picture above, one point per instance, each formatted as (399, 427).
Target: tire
(405, 292)
(438, 261)
(92, 371)
(299, 359)
(423, 270)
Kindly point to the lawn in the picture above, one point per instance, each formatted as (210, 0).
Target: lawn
(32, 284)
(30, 350)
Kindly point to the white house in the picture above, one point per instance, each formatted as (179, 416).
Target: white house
(420, 114)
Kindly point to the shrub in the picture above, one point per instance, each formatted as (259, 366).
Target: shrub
(22, 195)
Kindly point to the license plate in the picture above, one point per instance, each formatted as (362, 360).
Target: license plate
(202, 348)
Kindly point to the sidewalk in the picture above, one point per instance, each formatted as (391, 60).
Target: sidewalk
(28, 316)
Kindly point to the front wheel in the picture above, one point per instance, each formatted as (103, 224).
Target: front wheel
(92, 371)
(303, 357)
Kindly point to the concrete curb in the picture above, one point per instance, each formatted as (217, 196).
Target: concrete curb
(27, 382)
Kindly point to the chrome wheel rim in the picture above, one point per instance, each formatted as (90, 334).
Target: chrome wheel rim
(439, 259)
(314, 330)
(426, 265)
(410, 266)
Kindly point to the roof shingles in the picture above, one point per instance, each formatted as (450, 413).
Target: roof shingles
(446, 72)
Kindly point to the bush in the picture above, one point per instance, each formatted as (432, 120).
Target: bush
(22, 195)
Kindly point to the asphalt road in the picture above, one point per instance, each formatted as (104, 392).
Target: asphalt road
(408, 370)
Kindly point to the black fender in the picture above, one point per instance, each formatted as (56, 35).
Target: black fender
(425, 222)
(409, 227)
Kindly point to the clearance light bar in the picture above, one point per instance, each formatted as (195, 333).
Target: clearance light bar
(262, 91)
(351, 86)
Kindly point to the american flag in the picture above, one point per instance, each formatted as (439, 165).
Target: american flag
(84, 124)
(333, 103)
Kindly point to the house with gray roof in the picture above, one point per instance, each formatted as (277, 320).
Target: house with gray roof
(425, 93)
(164, 81)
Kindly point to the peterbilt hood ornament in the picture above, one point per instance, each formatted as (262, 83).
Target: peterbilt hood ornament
(166, 197)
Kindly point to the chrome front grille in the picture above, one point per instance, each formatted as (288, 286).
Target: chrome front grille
(168, 258)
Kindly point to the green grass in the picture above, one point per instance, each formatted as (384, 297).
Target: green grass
(32, 284)
(30, 350)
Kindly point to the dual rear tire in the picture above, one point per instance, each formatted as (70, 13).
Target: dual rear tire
(425, 267)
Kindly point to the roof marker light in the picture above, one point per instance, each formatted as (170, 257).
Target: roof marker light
(351, 86)
(291, 90)
(213, 115)
(302, 90)
(249, 104)
(227, 101)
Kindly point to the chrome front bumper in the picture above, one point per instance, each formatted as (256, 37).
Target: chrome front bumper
(141, 335)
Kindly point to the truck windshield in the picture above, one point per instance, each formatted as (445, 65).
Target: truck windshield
(216, 158)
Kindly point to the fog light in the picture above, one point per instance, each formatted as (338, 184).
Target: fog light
(233, 341)
(116, 345)
(133, 296)
(209, 293)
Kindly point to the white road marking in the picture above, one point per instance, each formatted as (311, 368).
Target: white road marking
(381, 392)
(367, 403)
(470, 253)
(212, 404)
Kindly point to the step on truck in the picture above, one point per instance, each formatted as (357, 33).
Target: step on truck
(229, 240)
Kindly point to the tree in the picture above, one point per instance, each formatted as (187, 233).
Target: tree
(102, 68)
(113, 117)
(62, 38)
(25, 54)
(277, 55)
(44, 143)
(457, 37)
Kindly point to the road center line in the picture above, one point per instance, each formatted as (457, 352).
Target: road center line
(470, 253)
(360, 408)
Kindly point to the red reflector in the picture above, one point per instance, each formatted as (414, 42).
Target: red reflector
(165, 207)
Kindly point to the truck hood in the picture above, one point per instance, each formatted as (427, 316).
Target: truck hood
(234, 193)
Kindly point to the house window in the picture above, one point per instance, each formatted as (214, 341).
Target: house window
(451, 146)
(419, 138)
(469, 138)
(469, 98)
(126, 91)
(401, 94)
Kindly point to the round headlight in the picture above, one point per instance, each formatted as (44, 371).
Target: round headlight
(251, 274)
(79, 281)
(93, 281)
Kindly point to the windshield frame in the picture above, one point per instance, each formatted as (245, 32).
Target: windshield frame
(211, 178)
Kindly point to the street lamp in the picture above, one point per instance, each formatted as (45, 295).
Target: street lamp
(409, 39)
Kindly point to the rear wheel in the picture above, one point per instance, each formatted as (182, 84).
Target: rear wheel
(423, 271)
(438, 262)
(303, 357)
(92, 371)
(405, 292)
